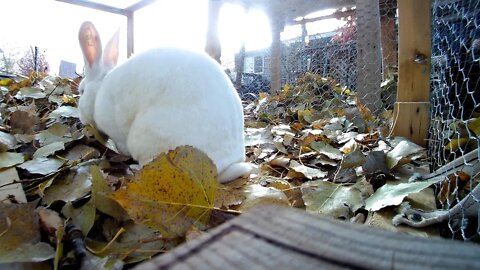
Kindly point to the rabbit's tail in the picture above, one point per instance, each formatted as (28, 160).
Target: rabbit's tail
(235, 171)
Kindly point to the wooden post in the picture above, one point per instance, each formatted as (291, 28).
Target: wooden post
(130, 24)
(276, 54)
(239, 66)
(411, 112)
(213, 47)
(369, 58)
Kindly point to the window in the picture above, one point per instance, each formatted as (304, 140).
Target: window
(258, 64)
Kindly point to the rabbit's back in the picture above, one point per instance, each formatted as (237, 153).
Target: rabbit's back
(167, 97)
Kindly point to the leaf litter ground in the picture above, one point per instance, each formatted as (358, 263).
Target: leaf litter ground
(76, 200)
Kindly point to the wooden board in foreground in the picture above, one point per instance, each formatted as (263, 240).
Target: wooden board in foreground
(284, 238)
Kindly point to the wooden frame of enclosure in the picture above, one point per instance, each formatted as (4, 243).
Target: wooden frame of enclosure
(411, 111)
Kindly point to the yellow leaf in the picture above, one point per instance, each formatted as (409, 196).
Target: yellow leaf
(455, 144)
(474, 125)
(6, 82)
(305, 115)
(172, 192)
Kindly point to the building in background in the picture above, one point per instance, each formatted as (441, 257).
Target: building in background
(67, 69)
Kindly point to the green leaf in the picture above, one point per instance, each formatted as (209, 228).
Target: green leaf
(83, 217)
(38, 252)
(8, 159)
(326, 149)
(70, 187)
(101, 196)
(56, 133)
(49, 149)
(394, 194)
(330, 199)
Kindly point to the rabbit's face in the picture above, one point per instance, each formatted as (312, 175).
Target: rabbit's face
(86, 105)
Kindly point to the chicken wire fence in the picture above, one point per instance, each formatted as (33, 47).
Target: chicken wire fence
(341, 58)
(455, 100)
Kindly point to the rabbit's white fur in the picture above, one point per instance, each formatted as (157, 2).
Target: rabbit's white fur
(161, 99)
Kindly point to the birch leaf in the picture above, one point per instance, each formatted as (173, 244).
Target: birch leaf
(326, 149)
(394, 194)
(42, 165)
(400, 154)
(49, 149)
(308, 172)
(172, 192)
(65, 111)
(8, 159)
(20, 235)
(330, 199)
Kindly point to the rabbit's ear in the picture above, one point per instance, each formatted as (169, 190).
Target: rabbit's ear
(110, 55)
(90, 43)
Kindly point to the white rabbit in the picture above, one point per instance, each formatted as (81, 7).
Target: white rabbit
(161, 99)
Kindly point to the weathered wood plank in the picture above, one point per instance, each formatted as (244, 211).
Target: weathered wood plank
(414, 51)
(411, 120)
(285, 238)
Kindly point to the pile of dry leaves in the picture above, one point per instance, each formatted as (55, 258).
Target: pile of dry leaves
(67, 198)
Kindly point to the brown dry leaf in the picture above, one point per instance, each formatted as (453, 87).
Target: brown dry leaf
(230, 194)
(454, 184)
(50, 220)
(293, 193)
(23, 122)
(172, 192)
(297, 126)
(20, 234)
(365, 112)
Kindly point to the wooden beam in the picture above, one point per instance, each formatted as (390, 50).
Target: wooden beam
(130, 34)
(335, 15)
(140, 4)
(97, 6)
(276, 54)
(272, 237)
(414, 50)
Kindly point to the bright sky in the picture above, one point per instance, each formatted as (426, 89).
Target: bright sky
(54, 26)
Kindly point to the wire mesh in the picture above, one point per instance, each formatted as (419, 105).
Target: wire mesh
(455, 97)
(348, 58)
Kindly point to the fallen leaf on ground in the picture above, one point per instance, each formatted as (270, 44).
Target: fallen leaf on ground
(308, 172)
(42, 165)
(8, 189)
(173, 192)
(258, 195)
(394, 194)
(9, 159)
(330, 199)
(20, 235)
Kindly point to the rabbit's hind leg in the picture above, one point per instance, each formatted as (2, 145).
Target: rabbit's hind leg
(235, 171)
